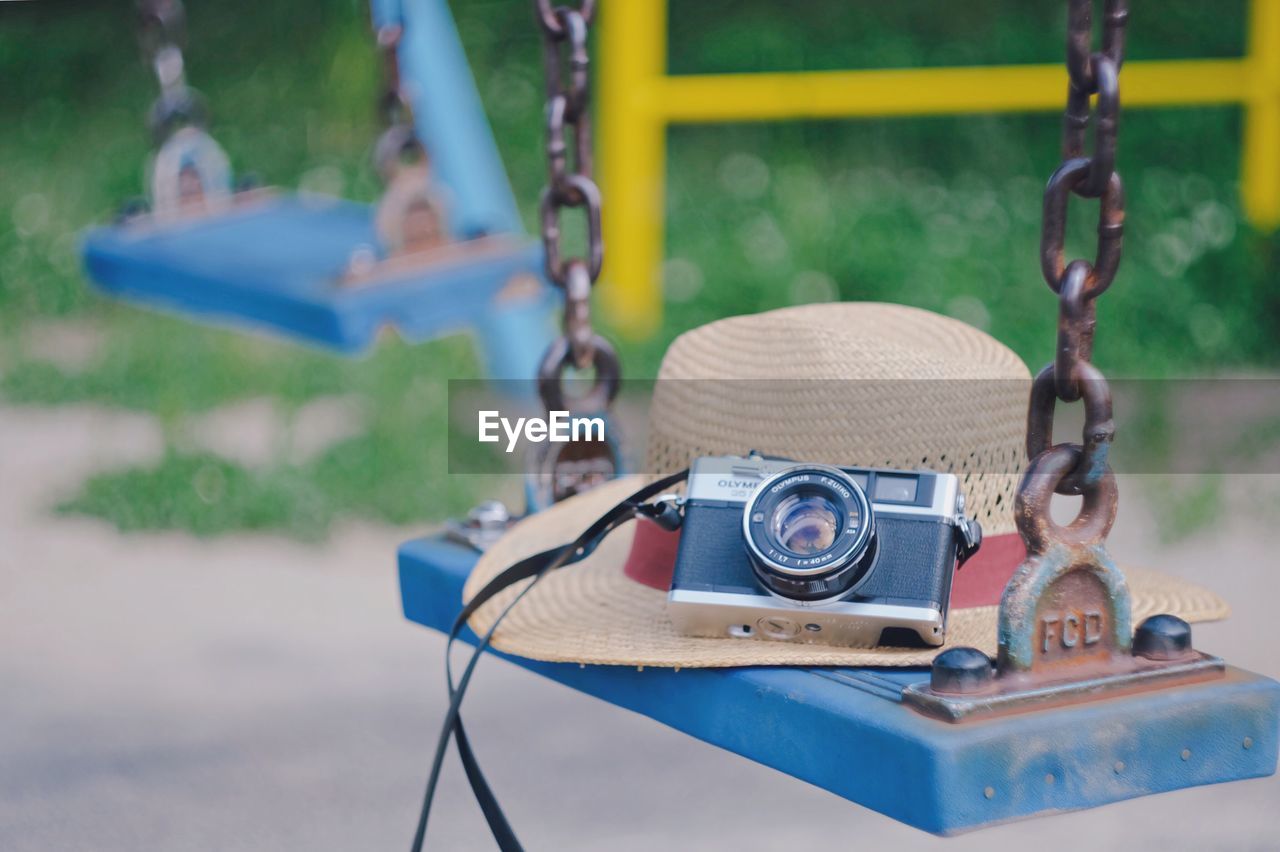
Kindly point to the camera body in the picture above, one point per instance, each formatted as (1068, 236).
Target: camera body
(787, 551)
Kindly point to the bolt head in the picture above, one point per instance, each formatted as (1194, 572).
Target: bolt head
(490, 515)
(960, 670)
(1162, 637)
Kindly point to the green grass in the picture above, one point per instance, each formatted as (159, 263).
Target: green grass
(206, 495)
(388, 474)
(942, 213)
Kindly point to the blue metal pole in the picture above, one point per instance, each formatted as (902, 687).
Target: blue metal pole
(385, 13)
(450, 118)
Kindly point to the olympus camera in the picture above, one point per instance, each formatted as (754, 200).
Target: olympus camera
(776, 549)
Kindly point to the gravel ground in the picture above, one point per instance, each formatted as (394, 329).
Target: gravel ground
(163, 692)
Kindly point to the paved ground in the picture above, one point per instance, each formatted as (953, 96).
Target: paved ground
(161, 692)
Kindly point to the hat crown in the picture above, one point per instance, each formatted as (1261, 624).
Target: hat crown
(866, 384)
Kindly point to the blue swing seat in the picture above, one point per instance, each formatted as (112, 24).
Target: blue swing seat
(275, 262)
(847, 730)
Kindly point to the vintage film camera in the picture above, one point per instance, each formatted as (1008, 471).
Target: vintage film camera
(776, 549)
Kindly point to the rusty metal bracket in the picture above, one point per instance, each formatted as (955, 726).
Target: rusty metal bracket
(1065, 623)
(1074, 659)
(189, 174)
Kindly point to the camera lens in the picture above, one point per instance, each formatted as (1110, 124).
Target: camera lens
(810, 533)
(806, 524)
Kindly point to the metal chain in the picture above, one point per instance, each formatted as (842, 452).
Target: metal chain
(162, 35)
(570, 184)
(392, 104)
(162, 26)
(399, 141)
(1082, 468)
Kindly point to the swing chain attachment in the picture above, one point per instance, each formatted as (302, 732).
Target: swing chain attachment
(1072, 376)
(410, 215)
(189, 173)
(1065, 624)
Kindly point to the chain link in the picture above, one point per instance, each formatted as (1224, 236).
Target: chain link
(1079, 468)
(1067, 178)
(570, 183)
(162, 34)
(1081, 58)
(549, 15)
(399, 142)
(392, 105)
(162, 30)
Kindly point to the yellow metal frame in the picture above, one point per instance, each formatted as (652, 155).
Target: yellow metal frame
(639, 101)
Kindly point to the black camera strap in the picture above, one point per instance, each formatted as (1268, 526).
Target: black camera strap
(533, 568)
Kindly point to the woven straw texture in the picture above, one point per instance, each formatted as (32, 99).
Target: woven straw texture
(851, 383)
(862, 383)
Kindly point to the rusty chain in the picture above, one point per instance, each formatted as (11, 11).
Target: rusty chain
(567, 61)
(570, 184)
(1079, 468)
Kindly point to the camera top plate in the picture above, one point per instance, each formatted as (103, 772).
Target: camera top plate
(733, 479)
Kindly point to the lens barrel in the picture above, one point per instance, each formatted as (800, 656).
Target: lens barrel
(810, 533)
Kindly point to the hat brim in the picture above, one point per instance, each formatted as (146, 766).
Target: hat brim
(591, 612)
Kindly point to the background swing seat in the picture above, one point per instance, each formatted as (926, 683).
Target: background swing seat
(275, 262)
(847, 731)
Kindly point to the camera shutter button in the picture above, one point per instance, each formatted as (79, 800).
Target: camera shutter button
(777, 627)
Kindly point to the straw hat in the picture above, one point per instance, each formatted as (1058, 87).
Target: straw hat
(852, 383)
